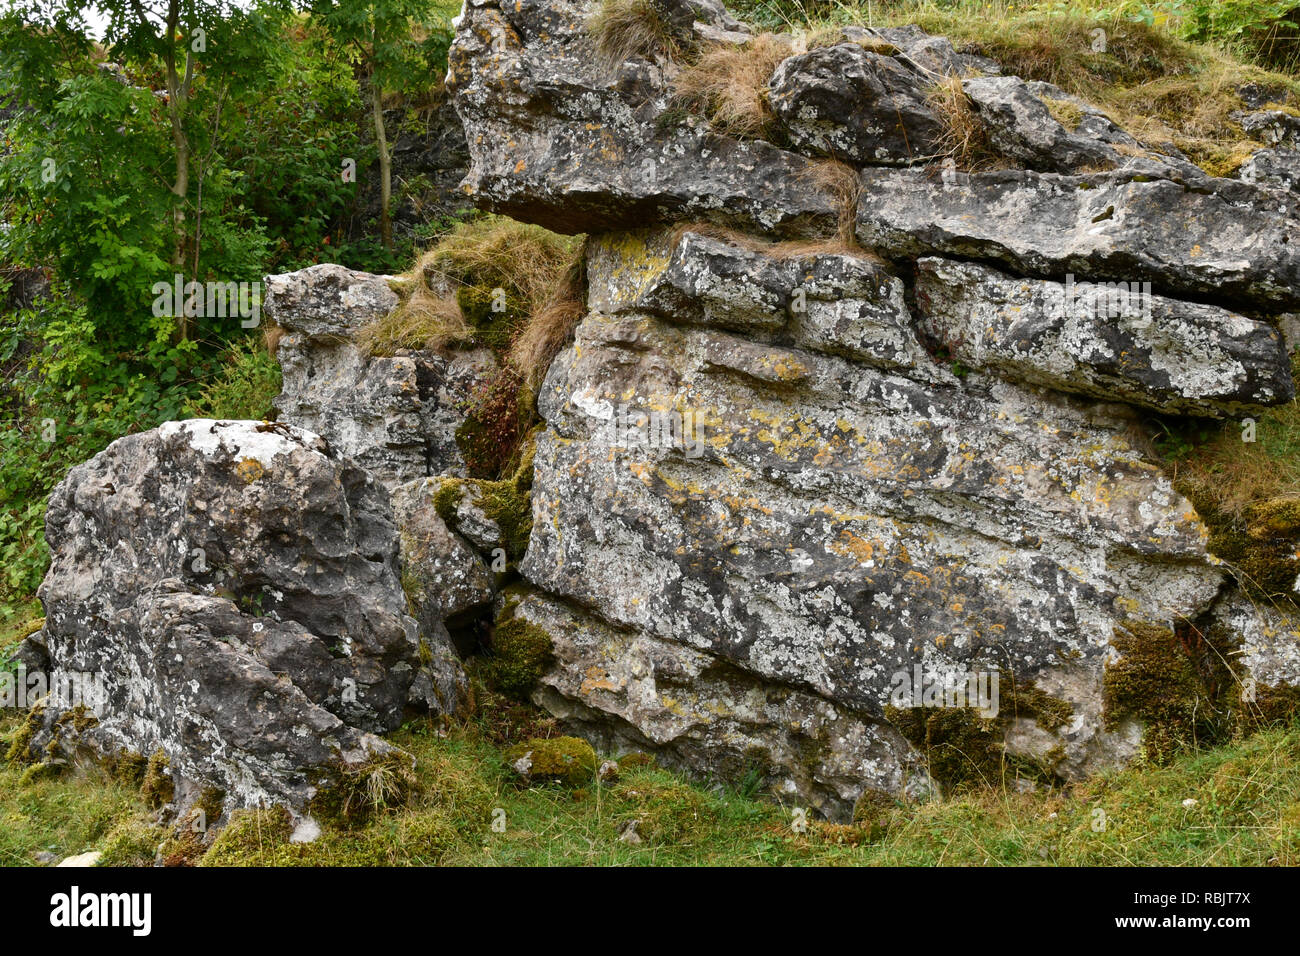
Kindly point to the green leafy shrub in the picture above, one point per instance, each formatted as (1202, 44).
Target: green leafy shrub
(244, 387)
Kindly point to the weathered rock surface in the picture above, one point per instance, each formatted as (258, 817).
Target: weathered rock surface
(396, 416)
(555, 139)
(843, 527)
(852, 104)
(843, 303)
(1022, 127)
(1272, 168)
(1272, 127)
(778, 480)
(235, 588)
(1105, 340)
(445, 579)
(1231, 242)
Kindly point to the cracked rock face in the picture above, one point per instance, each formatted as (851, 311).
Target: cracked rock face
(853, 104)
(396, 416)
(824, 527)
(1107, 340)
(234, 587)
(777, 475)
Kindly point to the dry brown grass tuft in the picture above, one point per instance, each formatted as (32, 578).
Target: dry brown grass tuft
(965, 140)
(844, 185)
(623, 29)
(494, 251)
(424, 320)
(550, 328)
(271, 337)
(728, 84)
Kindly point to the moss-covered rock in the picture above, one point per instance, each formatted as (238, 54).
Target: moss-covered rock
(158, 788)
(133, 841)
(568, 761)
(966, 749)
(1177, 684)
(350, 795)
(521, 654)
(663, 811)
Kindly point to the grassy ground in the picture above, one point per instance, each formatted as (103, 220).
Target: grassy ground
(1246, 812)
(1162, 88)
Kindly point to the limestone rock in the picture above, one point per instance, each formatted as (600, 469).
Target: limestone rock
(833, 530)
(856, 105)
(1124, 344)
(555, 140)
(844, 303)
(1272, 127)
(1274, 169)
(444, 577)
(396, 416)
(1021, 126)
(1231, 240)
(235, 589)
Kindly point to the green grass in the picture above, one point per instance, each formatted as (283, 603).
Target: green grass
(1247, 813)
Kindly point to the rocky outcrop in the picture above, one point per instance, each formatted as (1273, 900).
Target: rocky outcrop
(790, 494)
(1108, 340)
(233, 589)
(397, 415)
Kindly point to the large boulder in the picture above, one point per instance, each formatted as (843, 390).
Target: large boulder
(234, 589)
(857, 105)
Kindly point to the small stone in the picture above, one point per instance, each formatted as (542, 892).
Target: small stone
(83, 859)
(628, 834)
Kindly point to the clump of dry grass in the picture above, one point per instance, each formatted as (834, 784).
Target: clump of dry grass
(623, 29)
(424, 320)
(540, 270)
(551, 327)
(844, 185)
(523, 258)
(728, 84)
(965, 138)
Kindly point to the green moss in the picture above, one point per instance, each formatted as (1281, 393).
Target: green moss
(133, 841)
(521, 653)
(20, 744)
(494, 312)
(158, 787)
(447, 498)
(1177, 685)
(635, 761)
(966, 749)
(350, 794)
(1065, 113)
(212, 801)
(128, 768)
(663, 811)
(569, 761)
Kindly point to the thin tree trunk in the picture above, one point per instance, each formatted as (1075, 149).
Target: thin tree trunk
(177, 94)
(385, 165)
